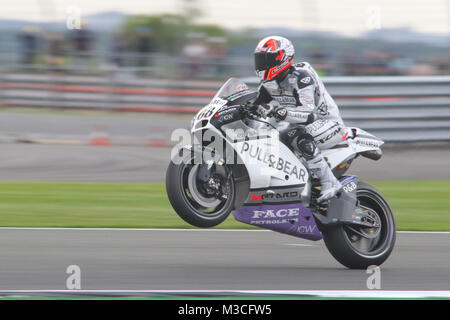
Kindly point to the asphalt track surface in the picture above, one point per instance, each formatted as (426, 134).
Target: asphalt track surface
(34, 259)
(79, 125)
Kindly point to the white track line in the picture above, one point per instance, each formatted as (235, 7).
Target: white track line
(299, 245)
(134, 229)
(308, 293)
(424, 232)
(184, 230)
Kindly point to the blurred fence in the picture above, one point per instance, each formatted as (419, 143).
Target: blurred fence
(394, 108)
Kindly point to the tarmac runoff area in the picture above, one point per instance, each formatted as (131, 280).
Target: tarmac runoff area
(50, 162)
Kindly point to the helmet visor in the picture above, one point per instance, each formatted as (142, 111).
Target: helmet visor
(265, 60)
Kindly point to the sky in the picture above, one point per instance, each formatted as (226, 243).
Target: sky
(348, 17)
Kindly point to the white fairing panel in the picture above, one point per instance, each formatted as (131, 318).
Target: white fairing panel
(270, 163)
(364, 141)
(337, 156)
(207, 111)
(361, 142)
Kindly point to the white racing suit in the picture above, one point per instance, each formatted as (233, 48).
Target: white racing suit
(303, 95)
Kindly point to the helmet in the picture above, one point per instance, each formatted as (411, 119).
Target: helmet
(273, 55)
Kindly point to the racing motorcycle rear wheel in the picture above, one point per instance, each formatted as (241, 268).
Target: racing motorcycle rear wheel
(201, 202)
(358, 247)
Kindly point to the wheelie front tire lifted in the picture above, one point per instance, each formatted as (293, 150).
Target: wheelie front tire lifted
(201, 201)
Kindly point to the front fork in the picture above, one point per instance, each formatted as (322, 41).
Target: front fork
(213, 178)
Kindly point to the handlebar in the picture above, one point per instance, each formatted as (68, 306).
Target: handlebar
(248, 110)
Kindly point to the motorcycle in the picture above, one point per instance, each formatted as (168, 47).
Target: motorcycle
(264, 183)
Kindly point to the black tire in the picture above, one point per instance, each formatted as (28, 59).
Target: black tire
(186, 207)
(338, 238)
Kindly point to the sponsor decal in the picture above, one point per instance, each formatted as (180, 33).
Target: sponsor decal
(275, 70)
(258, 197)
(241, 87)
(323, 109)
(281, 113)
(306, 99)
(292, 133)
(306, 80)
(294, 219)
(278, 221)
(275, 216)
(280, 213)
(208, 110)
(239, 94)
(226, 117)
(280, 216)
(280, 195)
(285, 99)
(316, 126)
(281, 66)
(367, 143)
(330, 135)
(306, 229)
(205, 114)
(345, 136)
(349, 187)
(227, 110)
(276, 196)
(300, 115)
(342, 166)
(273, 161)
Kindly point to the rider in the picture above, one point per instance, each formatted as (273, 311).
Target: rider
(297, 95)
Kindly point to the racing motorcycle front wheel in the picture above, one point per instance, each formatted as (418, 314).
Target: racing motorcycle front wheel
(360, 247)
(201, 194)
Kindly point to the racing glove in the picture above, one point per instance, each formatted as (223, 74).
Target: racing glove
(264, 110)
(280, 113)
(272, 108)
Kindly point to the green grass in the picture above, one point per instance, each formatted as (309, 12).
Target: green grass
(417, 205)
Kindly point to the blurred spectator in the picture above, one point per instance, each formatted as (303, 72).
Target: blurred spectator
(194, 54)
(144, 46)
(442, 64)
(29, 37)
(368, 62)
(401, 64)
(82, 42)
(378, 63)
(56, 49)
(217, 52)
(422, 69)
(318, 58)
(118, 47)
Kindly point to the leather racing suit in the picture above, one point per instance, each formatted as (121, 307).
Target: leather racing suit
(301, 98)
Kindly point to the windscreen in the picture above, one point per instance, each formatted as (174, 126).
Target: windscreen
(232, 86)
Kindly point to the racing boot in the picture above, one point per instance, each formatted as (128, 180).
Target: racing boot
(320, 170)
